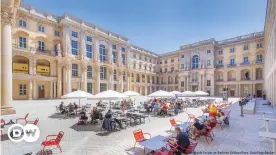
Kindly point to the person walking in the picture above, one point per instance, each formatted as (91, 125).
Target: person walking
(241, 105)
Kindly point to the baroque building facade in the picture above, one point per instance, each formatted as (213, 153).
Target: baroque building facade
(47, 56)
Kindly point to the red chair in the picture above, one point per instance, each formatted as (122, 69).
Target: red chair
(53, 142)
(25, 118)
(33, 122)
(207, 135)
(2, 126)
(173, 123)
(191, 117)
(190, 149)
(139, 136)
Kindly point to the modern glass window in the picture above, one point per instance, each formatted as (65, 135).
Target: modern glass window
(89, 88)
(75, 70)
(40, 28)
(74, 34)
(40, 45)
(103, 87)
(114, 47)
(208, 82)
(245, 47)
(89, 72)
(259, 45)
(123, 59)
(103, 73)
(102, 53)
(172, 69)
(208, 62)
(208, 51)
(114, 75)
(22, 89)
(259, 58)
(182, 66)
(22, 42)
(89, 51)
(220, 62)
(22, 23)
(114, 57)
(56, 33)
(88, 38)
(123, 49)
(182, 55)
(74, 47)
(232, 61)
(220, 52)
(245, 60)
(195, 61)
(232, 50)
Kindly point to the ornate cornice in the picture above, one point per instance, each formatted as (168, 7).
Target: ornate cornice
(7, 16)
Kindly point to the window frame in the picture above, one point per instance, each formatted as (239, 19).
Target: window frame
(22, 90)
(74, 50)
(75, 70)
(41, 45)
(22, 42)
(75, 34)
(89, 53)
(103, 70)
(89, 39)
(41, 28)
(102, 53)
(22, 23)
(89, 74)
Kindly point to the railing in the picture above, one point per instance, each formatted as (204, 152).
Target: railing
(231, 65)
(231, 79)
(220, 66)
(244, 63)
(46, 52)
(37, 50)
(259, 62)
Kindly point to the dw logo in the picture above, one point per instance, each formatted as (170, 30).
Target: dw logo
(18, 133)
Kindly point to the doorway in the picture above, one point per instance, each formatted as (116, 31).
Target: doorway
(232, 93)
(194, 88)
(41, 91)
(259, 93)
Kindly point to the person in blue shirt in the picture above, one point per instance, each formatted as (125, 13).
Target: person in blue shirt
(181, 141)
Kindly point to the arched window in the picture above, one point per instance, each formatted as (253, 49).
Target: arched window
(195, 61)
(137, 78)
(89, 72)
(102, 53)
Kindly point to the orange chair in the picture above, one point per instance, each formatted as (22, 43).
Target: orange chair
(139, 136)
(33, 122)
(173, 123)
(25, 118)
(53, 142)
(190, 149)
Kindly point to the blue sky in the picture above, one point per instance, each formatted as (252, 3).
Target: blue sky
(163, 25)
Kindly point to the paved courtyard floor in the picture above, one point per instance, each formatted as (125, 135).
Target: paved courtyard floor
(242, 135)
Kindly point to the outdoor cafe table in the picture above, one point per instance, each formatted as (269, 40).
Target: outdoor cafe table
(154, 143)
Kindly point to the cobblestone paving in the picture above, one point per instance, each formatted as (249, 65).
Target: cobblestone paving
(242, 135)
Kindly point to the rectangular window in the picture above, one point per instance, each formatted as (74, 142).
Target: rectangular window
(160, 70)
(114, 75)
(245, 47)
(232, 50)
(208, 62)
(74, 34)
(75, 70)
(220, 62)
(114, 47)
(56, 33)
(232, 61)
(115, 87)
(259, 45)
(165, 61)
(123, 49)
(89, 88)
(74, 46)
(40, 28)
(114, 57)
(40, 45)
(124, 76)
(88, 51)
(208, 82)
(172, 69)
(166, 70)
(245, 60)
(22, 42)
(89, 72)
(89, 38)
(220, 52)
(208, 51)
(259, 58)
(103, 73)
(182, 56)
(160, 62)
(182, 83)
(103, 87)
(124, 59)
(22, 89)
(22, 23)
(172, 60)
(182, 66)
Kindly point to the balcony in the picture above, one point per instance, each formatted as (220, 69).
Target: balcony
(219, 66)
(259, 62)
(46, 52)
(231, 65)
(231, 79)
(244, 63)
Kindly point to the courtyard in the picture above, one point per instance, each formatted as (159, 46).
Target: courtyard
(241, 135)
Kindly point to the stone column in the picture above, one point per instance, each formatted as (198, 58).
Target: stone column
(59, 82)
(84, 77)
(30, 90)
(212, 85)
(96, 51)
(69, 77)
(237, 90)
(34, 89)
(55, 89)
(98, 80)
(128, 79)
(51, 89)
(121, 81)
(253, 89)
(6, 63)
(203, 82)
(110, 72)
(65, 80)
(199, 82)
(82, 44)
(119, 56)
(109, 53)
(66, 40)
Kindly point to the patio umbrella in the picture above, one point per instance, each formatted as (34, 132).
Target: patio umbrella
(132, 94)
(188, 93)
(162, 93)
(77, 95)
(201, 93)
(109, 95)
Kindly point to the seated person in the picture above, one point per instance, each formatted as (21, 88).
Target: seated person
(268, 103)
(83, 117)
(62, 108)
(198, 129)
(75, 105)
(95, 114)
(211, 123)
(108, 115)
(164, 109)
(71, 109)
(181, 141)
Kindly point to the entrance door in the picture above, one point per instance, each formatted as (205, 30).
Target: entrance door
(259, 93)
(41, 91)
(232, 92)
(194, 88)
